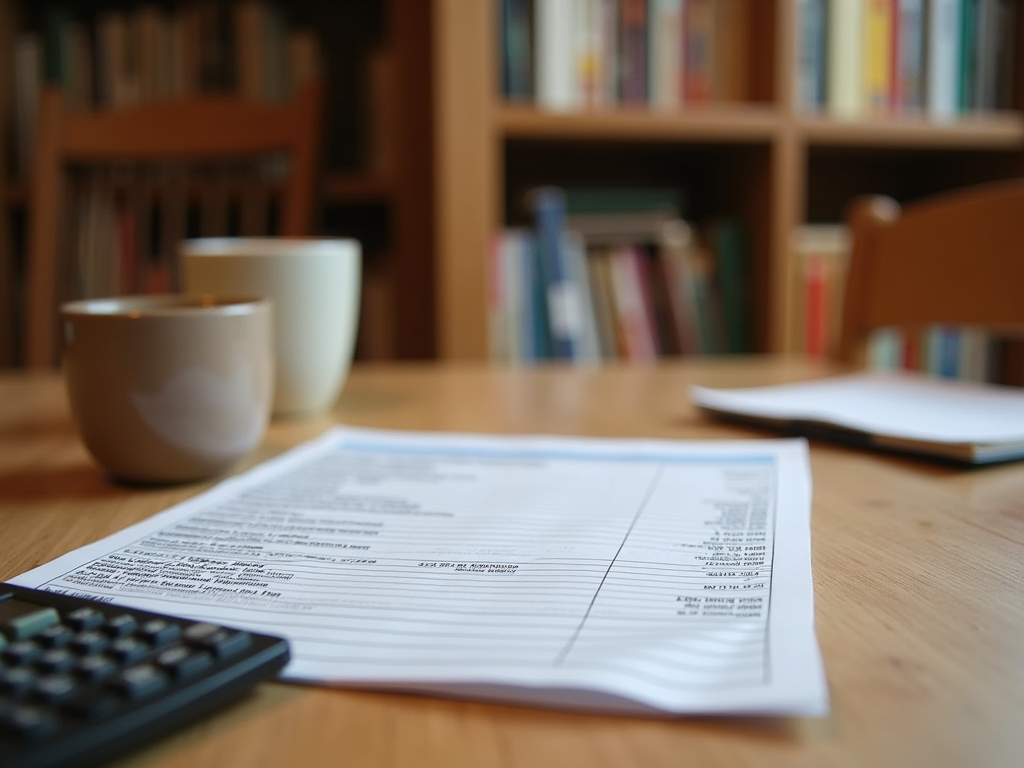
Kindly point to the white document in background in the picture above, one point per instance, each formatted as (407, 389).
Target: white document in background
(617, 575)
(963, 420)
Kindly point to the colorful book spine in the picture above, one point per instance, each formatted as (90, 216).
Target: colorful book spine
(698, 78)
(633, 56)
(878, 55)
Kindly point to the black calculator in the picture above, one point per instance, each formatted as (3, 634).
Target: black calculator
(83, 681)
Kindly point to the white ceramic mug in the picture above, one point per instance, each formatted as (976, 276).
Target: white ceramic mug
(314, 287)
(168, 388)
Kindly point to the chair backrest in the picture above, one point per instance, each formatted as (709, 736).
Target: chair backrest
(209, 128)
(955, 258)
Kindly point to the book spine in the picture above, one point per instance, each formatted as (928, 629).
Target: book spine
(877, 55)
(517, 50)
(699, 46)
(909, 67)
(815, 309)
(555, 27)
(968, 68)
(633, 304)
(666, 48)
(729, 247)
(943, 62)
(586, 341)
(845, 53)
(810, 74)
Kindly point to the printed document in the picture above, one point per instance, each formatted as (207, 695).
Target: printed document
(600, 574)
(963, 420)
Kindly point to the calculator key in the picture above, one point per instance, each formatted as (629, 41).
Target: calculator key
(56, 660)
(54, 688)
(141, 681)
(221, 641)
(95, 668)
(120, 626)
(84, 619)
(160, 632)
(129, 650)
(54, 637)
(16, 680)
(90, 642)
(29, 623)
(22, 652)
(182, 661)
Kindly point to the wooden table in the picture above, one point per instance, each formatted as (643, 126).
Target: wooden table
(918, 570)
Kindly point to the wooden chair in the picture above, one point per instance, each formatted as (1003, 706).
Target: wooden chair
(204, 129)
(955, 258)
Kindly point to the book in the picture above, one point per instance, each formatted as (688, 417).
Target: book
(634, 312)
(811, 54)
(943, 46)
(728, 243)
(820, 256)
(845, 66)
(516, 50)
(666, 53)
(877, 55)
(908, 58)
(676, 252)
(612, 344)
(559, 289)
(633, 52)
(699, 28)
(902, 411)
(556, 86)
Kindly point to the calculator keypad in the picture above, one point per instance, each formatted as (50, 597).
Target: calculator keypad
(65, 667)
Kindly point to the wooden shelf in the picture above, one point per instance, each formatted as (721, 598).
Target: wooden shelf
(718, 123)
(998, 131)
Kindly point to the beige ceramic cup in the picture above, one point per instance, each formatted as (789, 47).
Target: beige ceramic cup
(168, 388)
(314, 286)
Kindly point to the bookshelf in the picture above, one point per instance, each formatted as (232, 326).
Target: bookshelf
(461, 157)
(765, 158)
(375, 63)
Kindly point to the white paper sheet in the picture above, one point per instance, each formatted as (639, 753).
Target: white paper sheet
(619, 575)
(904, 405)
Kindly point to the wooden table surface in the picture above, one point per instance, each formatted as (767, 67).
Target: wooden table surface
(918, 572)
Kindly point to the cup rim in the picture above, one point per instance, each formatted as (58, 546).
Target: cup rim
(268, 247)
(138, 306)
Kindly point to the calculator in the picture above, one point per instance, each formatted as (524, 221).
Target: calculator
(83, 681)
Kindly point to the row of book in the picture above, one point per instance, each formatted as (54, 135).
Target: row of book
(566, 55)
(821, 253)
(935, 58)
(116, 58)
(594, 280)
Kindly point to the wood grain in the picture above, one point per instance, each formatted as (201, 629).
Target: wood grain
(918, 586)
